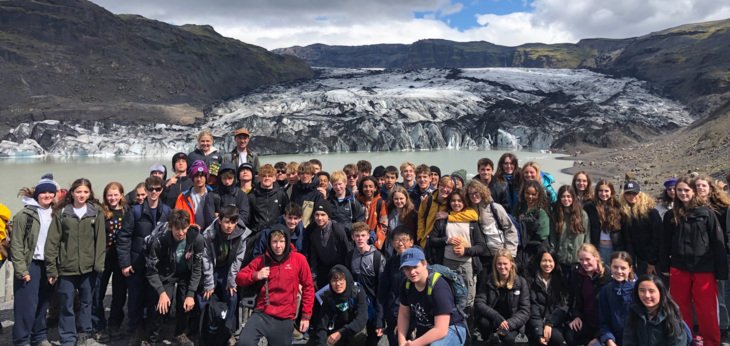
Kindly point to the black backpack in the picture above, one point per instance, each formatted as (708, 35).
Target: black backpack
(214, 330)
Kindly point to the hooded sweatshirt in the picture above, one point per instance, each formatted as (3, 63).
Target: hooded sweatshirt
(346, 312)
(221, 250)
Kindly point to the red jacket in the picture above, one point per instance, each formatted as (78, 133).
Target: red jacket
(284, 281)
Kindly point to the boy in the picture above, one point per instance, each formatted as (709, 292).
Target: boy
(290, 222)
(345, 208)
(328, 243)
(267, 199)
(485, 168)
(390, 178)
(423, 185)
(392, 280)
(366, 263)
(227, 193)
(408, 172)
(174, 266)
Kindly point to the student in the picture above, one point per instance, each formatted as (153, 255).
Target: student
(227, 193)
(353, 176)
(30, 285)
(604, 215)
(430, 208)
(508, 171)
(194, 200)
(392, 280)
(497, 189)
(435, 176)
(533, 215)
(582, 186)
(364, 168)
(323, 185)
(586, 281)
(434, 315)
(423, 186)
(204, 150)
(571, 227)
(666, 199)
(376, 211)
(224, 254)
(179, 182)
(408, 173)
(494, 222)
(292, 176)
(305, 192)
(641, 221)
(694, 253)
(113, 207)
(615, 299)
(343, 311)
(549, 296)
(281, 178)
(401, 212)
(654, 318)
(531, 171)
(280, 273)
(503, 302)
(74, 253)
(328, 243)
(245, 175)
(138, 223)
(292, 223)
(346, 209)
(366, 264)
(174, 260)
(267, 200)
(391, 180)
(140, 194)
(316, 165)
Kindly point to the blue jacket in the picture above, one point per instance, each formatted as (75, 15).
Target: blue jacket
(298, 239)
(614, 302)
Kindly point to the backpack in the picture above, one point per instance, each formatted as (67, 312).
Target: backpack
(156, 233)
(455, 281)
(521, 238)
(214, 329)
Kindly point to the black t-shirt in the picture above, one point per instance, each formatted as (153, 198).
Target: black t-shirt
(422, 311)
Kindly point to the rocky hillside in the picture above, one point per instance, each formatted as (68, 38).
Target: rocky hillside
(73, 60)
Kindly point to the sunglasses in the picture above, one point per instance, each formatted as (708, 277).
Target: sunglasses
(281, 171)
(155, 189)
(352, 176)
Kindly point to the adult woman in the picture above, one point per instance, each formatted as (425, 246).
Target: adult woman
(586, 281)
(113, 207)
(401, 212)
(31, 288)
(75, 252)
(508, 172)
(604, 214)
(549, 295)
(503, 302)
(694, 252)
(642, 224)
(534, 217)
(532, 171)
(205, 151)
(571, 227)
(654, 318)
(582, 186)
(458, 245)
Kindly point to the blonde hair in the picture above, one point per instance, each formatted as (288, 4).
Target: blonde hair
(292, 167)
(267, 170)
(536, 167)
(406, 164)
(203, 133)
(644, 204)
(338, 176)
(511, 277)
(591, 249)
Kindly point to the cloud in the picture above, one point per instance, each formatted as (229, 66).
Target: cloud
(283, 23)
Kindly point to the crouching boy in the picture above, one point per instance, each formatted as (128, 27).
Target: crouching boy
(174, 266)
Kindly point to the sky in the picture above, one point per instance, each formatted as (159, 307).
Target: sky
(285, 23)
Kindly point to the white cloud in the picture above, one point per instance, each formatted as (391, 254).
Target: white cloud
(283, 23)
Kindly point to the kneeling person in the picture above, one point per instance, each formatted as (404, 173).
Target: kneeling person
(343, 313)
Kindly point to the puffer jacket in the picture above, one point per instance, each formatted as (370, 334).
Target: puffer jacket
(518, 299)
(77, 245)
(640, 330)
(138, 223)
(548, 305)
(613, 306)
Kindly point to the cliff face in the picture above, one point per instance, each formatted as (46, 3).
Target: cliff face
(73, 60)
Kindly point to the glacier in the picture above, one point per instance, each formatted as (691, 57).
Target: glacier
(390, 110)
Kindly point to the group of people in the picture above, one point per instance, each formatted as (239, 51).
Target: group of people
(354, 255)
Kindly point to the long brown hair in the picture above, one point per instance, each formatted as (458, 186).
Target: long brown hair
(108, 212)
(609, 211)
(69, 199)
(409, 207)
(588, 194)
(681, 209)
(499, 173)
(717, 200)
(574, 212)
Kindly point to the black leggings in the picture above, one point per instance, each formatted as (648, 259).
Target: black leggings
(488, 327)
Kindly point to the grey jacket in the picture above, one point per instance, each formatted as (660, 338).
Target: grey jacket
(237, 244)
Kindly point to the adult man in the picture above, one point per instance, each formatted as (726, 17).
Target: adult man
(498, 189)
(242, 153)
(179, 182)
(174, 267)
(281, 274)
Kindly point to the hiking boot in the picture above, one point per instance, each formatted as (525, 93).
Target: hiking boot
(43, 343)
(85, 339)
(183, 340)
(297, 335)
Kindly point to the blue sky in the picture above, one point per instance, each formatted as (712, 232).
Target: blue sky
(284, 23)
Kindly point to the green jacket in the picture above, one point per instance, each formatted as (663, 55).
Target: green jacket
(22, 243)
(76, 246)
(567, 243)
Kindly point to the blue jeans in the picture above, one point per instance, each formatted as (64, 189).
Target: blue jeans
(31, 305)
(67, 286)
(456, 337)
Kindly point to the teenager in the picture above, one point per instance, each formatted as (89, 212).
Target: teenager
(353, 176)
(401, 212)
(366, 264)
(278, 274)
(654, 318)
(693, 251)
(586, 281)
(179, 182)
(571, 227)
(666, 198)
(267, 200)
(75, 252)
(433, 315)
(408, 173)
(604, 214)
(390, 178)
(281, 178)
(508, 172)
(245, 175)
(392, 280)
(194, 200)
(343, 311)
(204, 150)
(643, 225)
(494, 222)
(582, 185)
(533, 215)
(305, 191)
(225, 193)
(376, 210)
(346, 209)
(292, 223)
(503, 301)
(423, 186)
(328, 243)
(292, 176)
(549, 294)
(532, 171)
(174, 261)
(615, 299)
(30, 282)
(430, 209)
(497, 189)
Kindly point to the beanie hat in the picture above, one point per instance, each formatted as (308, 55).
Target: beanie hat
(46, 184)
(379, 171)
(435, 169)
(198, 167)
(158, 167)
(322, 206)
(179, 156)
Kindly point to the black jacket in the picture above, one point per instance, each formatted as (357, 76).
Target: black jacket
(322, 257)
(332, 318)
(266, 206)
(695, 245)
(223, 196)
(499, 192)
(437, 245)
(305, 192)
(162, 267)
(169, 195)
(575, 304)
(644, 235)
(137, 224)
(197, 154)
(518, 299)
(348, 211)
(548, 305)
(618, 238)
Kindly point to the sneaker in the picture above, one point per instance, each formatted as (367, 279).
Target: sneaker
(183, 340)
(43, 343)
(297, 335)
(232, 341)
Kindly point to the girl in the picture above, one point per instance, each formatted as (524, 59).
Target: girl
(694, 252)
(548, 300)
(343, 311)
(586, 281)
(508, 172)
(205, 151)
(494, 222)
(503, 302)
(458, 245)
(614, 300)
(571, 227)
(31, 288)
(654, 318)
(666, 199)
(582, 186)
(642, 223)
(75, 252)
(604, 214)
(532, 171)
(533, 216)
(401, 211)
(114, 207)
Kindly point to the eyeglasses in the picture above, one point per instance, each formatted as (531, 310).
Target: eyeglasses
(155, 189)
(475, 193)
(401, 240)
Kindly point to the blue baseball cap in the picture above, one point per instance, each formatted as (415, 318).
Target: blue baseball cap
(411, 257)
